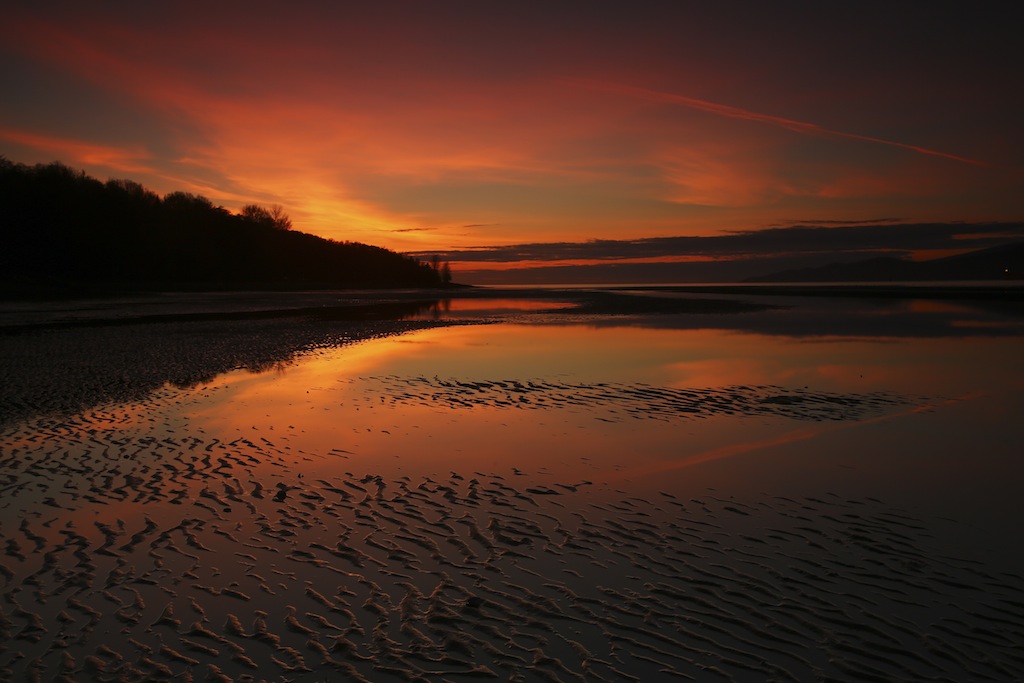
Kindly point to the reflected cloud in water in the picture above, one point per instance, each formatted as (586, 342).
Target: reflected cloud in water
(372, 467)
(61, 359)
(851, 318)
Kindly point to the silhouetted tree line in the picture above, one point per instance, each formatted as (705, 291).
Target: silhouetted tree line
(62, 228)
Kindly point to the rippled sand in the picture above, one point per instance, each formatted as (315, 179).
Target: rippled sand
(135, 552)
(136, 546)
(633, 400)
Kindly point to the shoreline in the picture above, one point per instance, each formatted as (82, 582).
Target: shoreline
(71, 354)
(209, 304)
(63, 369)
(180, 527)
(1011, 290)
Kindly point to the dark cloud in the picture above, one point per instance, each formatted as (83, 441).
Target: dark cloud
(820, 239)
(865, 221)
(610, 272)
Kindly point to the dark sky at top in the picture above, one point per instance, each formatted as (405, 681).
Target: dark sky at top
(446, 126)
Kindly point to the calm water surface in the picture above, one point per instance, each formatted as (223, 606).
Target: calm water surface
(826, 489)
(914, 402)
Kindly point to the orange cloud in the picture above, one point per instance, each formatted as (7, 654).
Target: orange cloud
(778, 121)
(387, 131)
(901, 179)
(68, 150)
(722, 176)
(469, 265)
(315, 154)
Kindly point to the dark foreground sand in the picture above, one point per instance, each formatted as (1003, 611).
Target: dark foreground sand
(151, 554)
(135, 548)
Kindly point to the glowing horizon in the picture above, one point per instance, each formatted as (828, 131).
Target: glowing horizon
(442, 129)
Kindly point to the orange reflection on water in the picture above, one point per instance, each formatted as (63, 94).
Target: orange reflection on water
(574, 400)
(451, 307)
(935, 306)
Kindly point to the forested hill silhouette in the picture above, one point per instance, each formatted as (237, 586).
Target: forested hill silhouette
(1004, 262)
(62, 230)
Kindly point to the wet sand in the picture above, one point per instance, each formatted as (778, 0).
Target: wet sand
(152, 554)
(137, 548)
(60, 356)
(76, 355)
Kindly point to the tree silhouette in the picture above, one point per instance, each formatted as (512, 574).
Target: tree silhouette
(61, 229)
(273, 217)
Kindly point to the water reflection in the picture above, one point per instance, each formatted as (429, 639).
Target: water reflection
(448, 308)
(53, 366)
(408, 489)
(68, 360)
(579, 400)
(851, 317)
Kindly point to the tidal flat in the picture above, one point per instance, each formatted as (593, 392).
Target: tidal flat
(554, 485)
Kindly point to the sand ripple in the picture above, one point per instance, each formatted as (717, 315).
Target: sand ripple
(134, 555)
(641, 401)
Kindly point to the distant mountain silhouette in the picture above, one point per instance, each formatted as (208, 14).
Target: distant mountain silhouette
(995, 263)
(61, 230)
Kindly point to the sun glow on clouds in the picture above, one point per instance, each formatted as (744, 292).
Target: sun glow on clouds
(125, 159)
(470, 265)
(247, 149)
(726, 178)
(442, 128)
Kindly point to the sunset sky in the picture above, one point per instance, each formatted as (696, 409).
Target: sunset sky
(501, 135)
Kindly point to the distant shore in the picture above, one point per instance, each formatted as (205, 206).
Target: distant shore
(62, 355)
(1007, 290)
(114, 307)
(322, 305)
(161, 519)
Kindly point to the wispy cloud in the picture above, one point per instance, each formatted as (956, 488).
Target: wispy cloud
(131, 159)
(870, 236)
(866, 221)
(747, 115)
(369, 126)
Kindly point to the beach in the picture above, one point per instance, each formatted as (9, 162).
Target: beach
(496, 484)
